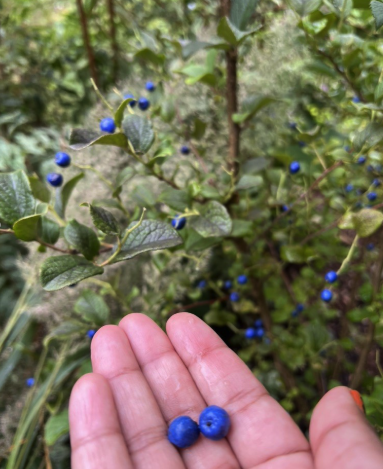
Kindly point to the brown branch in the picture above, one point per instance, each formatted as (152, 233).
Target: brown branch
(86, 40)
(4, 231)
(113, 38)
(55, 248)
(198, 156)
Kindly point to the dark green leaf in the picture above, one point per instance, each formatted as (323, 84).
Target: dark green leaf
(198, 129)
(367, 221)
(241, 12)
(251, 106)
(82, 238)
(195, 242)
(305, 7)
(16, 198)
(296, 254)
(103, 220)
(175, 199)
(193, 47)
(139, 132)
(213, 220)
(119, 114)
(242, 228)
(61, 271)
(248, 181)
(82, 138)
(56, 426)
(151, 235)
(63, 194)
(231, 34)
(377, 11)
(27, 229)
(39, 190)
(49, 231)
(219, 318)
(92, 307)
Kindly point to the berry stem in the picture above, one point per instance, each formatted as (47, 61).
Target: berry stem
(348, 258)
(101, 96)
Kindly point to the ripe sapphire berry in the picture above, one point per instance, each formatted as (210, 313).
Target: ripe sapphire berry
(293, 125)
(294, 167)
(302, 144)
(300, 307)
(347, 148)
(62, 159)
(250, 333)
(150, 86)
(30, 382)
(242, 279)
(183, 432)
(356, 99)
(227, 285)
(349, 188)
(201, 284)
(285, 208)
(371, 196)
(178, 222)
(54, 179)
(361, 160)
(326, 295)
(143, 104)
(370, 247)
(90, 333)
(260, 332)
(185, 150)
(234, 297)
(130, 96)
(370, 168)
(376, 183)
(108, 125)
(331, 276)
(258, 323)
(214, 423)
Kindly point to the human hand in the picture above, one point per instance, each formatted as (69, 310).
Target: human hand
(143, 379)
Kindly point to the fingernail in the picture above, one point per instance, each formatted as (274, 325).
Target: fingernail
(358, 399)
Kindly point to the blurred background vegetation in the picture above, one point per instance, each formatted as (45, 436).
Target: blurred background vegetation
(294, 73)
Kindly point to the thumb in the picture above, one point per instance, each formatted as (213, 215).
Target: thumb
(340, 435)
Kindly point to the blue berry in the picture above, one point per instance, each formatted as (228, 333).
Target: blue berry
(178, 222)
(202, 284)
(347, 148)
(62, 159)
(376, 183)
(302, 144)
(331, 276)
(285, 208)
(250, 333)
(183, 432)
(300, 307)
(356, 100)
(130, 96)
(90, 333)
(185, 150)
(108, 125)
(234, 297)
(294, 167)
(370, 247)
(371, 196)
(293, 125)
(228, 284)
(242, 279)
(258, 323)
(294, 314)
(150, 86)
(260, 332)
(326, 295)
(361, 160)
(349, 188)
(54, 179)
(30, 382)
(214, 423)
(143, 104)
(370, 168)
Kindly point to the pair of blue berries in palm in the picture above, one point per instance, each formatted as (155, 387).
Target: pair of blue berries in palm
(256, 332)
(214, 424)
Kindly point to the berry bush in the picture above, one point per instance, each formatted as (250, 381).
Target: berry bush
(236, 175)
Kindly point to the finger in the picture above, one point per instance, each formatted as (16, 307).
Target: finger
(174, 389)
(341, 436)
(262, 432)
(95, 433)
(142, 423)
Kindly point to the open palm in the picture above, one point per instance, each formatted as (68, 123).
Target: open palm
(143, 379)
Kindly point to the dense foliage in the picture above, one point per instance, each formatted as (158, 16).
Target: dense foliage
(242, 184)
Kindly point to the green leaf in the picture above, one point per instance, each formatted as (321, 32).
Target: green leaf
(248, 181)
(123, 176)
(241, 12)
(92, 307)
(347, 221)
(198, 129)
(296, 254)
(82, 138)
(151, 235)
(63, 194)
(103, 220)
(27, 229)
(195, 242)
(175, 199)
(119, 114)
(49, 231)
(379, 91)
(56, 426)
(231, 34)
(255, 165)
(192, 47)
(368, 137)
(367, 221)
(39, 190)
(213, 220)
(305, 7)
(219, 318)
(139, 132)
(61, 271)
(251, 106)
(242, 228)
(377, 11)
(343, 7)
(82, 238)
(16, 198)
